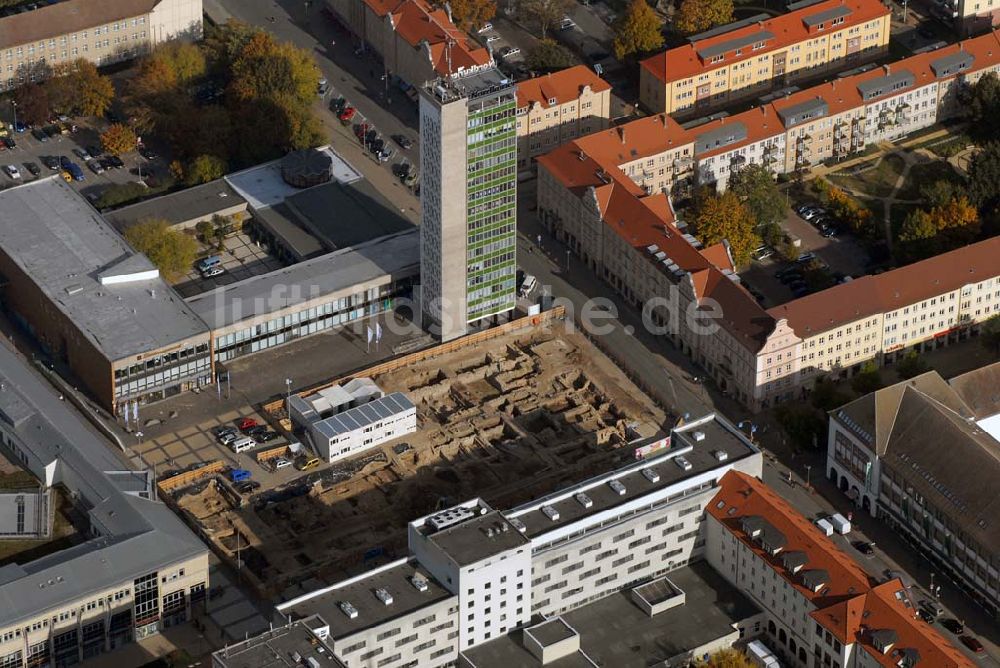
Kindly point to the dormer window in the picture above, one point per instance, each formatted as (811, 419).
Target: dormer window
(758, 45)
(552, 100)
(718, 59)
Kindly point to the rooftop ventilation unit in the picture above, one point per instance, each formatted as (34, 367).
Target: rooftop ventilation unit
(683, 463)
(312, 662)
(721, 455)
(551, 513)
(698, 436)
(653, 249)
(419, 583)
(584, 500)
(518, 524)
(617, 487)
(349, 610)
(383, 595)
(449, 517)
(651, 475)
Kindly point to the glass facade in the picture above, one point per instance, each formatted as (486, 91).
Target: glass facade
(491, 195)
(154, 374)
(291, 326)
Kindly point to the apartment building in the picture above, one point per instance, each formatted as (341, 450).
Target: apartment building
(607, 196)
(819, 605)
(139, 569)
(92, 302)
(752, 56)
(468, 164)
(475, 573)
(415, 39)
(52, 34)
(884, 452)
(557, 107)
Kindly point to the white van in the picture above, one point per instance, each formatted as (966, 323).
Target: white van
(824, 526)
(530, 282)
(243, 444)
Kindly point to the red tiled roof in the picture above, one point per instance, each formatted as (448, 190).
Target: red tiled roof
(683, 62)
(894, 289)
(761, 123)
(416, 22)
(562, 86)
(849, 605)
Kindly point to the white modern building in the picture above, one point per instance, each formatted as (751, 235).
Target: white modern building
(468, 162)
(344, 420)
(475, 573)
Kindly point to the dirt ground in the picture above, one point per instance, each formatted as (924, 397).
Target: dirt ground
(507, 420)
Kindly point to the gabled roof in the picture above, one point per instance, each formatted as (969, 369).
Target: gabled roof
(561, 86)
(775, 33)
(67, 17)
(980, 390)
(417, 22)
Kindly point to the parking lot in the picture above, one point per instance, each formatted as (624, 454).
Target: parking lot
(30, 149)
(241, 258)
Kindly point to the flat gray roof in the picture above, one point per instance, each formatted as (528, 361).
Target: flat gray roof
(803, 111)
(889, 83)
(735, 43)
(277, 647)
(952, 63)
(197, 203)
(364, 415)
(278, 220)
(615, 632)
(719, 136)
(64, 245)
(396, 256)
(827, 15)
(729, 27)
(467, 542)
(719, 435)
(395, 578)
(550, 632)
(141, 536)
(262, 186)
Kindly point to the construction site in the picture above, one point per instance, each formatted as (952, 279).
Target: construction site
(506, 419)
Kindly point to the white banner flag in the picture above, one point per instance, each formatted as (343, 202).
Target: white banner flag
(135, 412)
(378, 332)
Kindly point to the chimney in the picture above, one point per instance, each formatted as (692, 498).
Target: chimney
(888, 70)
(763, 110)
(621, 132)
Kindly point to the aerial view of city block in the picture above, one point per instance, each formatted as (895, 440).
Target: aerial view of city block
(499, 333)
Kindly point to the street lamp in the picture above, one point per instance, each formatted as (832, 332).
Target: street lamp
(808, 469)
(288, 389)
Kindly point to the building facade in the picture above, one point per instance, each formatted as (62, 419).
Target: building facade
(468, 159)
(554, 108)
(139, 569)
(475, 573)
(883, 452)
(752, 56)
(49, 35)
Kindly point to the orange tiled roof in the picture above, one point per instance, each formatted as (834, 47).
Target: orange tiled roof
(894, 289)
(561, 86)
(683, 62)
(417, 22)
(848, 604)
(760, 123)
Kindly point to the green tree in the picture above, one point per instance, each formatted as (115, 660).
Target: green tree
(33, 104)
(943, 228)
(754, 185)
(826, 395)
(910, 365)
(984, 177)
(545, 13)
(171, 251)
(472, 14)
(696, 16)
(727, 658)
(724, 217)
(989, 334)
(637, 31)
(203, 169)
(187, 60)
(804, 425)
(93, 92)
(548, 55)
(206, 231)
(118, 194)
(267, 69)
(867, 380)
(118, 139)
(940, 192)
(982, 105)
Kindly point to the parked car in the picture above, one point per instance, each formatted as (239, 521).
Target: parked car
(9, 142)
(492, 38)
(829, 232)
(95, 151)
(115, 161)
(486, 28)
(973, 644)
(281, 463)
(95, 166)
(265, 436)
(81, 153)
(931, 607)
(376, 146)
(404, 142)
(790, 277)
(567, 23)
(32, 168)
(12, 171)
(219, 431)
(247, 486)
(310, 464)
(401, 170)
(212, 271)
(864, 547)
(385, 155)
(147, 153)
(40, 135)
(246, 424)
(347, 114)
(953, 625)
(51, 161)
(227, 437)
(509, 51)
(808, 256)
(337, 104)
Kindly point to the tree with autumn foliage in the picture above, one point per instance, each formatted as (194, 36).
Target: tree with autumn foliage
(727, 658)
(118, 139)
(472, 14)
(637, 31)
(545, 13)
(725, 217)
(696, 16)
(33, 104)
(942, 228)
(91, 92)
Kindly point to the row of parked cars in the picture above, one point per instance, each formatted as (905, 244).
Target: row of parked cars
(819, 218)
(793, 275)
(246, 435)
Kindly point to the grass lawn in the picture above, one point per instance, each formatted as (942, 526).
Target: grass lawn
(949, 147)
(926, 173)
(877, 182)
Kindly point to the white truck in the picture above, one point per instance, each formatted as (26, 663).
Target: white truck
(824, 525)
(841, 524)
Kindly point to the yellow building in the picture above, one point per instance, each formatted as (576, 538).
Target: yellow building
(752, 56)
(555, 108)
